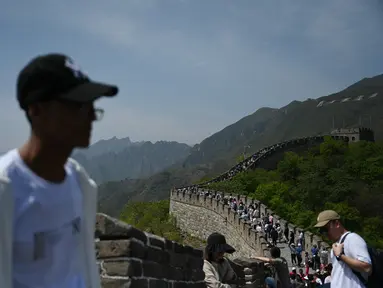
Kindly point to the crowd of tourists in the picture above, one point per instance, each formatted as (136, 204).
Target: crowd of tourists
(242, 166)
(351, 265)
(309, 268)
(245, 164)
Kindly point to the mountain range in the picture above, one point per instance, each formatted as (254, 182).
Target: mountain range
(117, 159)
(358, 105)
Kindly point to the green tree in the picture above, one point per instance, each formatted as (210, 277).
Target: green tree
(344, 177)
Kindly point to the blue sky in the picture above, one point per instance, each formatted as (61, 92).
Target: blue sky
(188, 68)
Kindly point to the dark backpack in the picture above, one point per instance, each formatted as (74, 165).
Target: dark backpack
(375, 280)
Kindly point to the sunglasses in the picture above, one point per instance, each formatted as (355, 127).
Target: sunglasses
(83, 107)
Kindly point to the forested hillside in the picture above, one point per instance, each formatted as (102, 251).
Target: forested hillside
(360, 104)
(345, 178)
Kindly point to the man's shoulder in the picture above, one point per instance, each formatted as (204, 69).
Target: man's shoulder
(81, 170)
(355, 237)
(7, 163)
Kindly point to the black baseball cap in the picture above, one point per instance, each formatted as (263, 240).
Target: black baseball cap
(54, 77)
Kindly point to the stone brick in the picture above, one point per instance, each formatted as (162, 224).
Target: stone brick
(187, 274)
(247, 262)
(156, 255)
(251, 277)
(189, 285)
(120, 248)
(198, 253)
(195, 263)
(123, 267)
(250, 271)
(109, 282)
(188, 250)
(169, 245)
(111, 228)
(157, 241)
(156, 283)
(176, 274)
(197, 275)
(155, 270)
(178, 248)
(178, 260)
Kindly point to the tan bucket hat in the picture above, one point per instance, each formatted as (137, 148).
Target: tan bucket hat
(326, 216)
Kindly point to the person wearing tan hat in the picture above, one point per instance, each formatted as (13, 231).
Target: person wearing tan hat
(349, 252)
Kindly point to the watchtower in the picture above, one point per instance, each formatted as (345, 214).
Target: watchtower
(355, 134)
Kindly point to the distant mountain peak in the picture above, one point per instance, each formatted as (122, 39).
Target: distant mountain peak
(115, 138)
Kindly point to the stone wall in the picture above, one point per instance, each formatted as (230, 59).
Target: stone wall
(128, 257)
(268, 157)
(201, 216)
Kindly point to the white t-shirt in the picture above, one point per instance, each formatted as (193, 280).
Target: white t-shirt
(327, 279)
(47, 227)
(342, 275)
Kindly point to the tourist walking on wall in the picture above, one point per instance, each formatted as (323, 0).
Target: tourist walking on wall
(218, 272)
(349, 254)
(293, 252)
(299, 254)
(323, 257)
(47, 201)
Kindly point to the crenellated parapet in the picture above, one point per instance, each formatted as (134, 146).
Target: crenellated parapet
(128, 257)
(200, 216)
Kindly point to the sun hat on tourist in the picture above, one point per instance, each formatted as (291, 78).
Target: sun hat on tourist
(216, 242)
(58, 77)
(326, 216)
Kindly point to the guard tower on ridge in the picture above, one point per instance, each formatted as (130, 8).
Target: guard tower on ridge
(355, 134)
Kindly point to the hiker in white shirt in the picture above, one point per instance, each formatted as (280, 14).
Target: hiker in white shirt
(345, 257)
(47, 201)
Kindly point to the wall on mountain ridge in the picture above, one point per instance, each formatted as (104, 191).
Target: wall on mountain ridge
(200, 216)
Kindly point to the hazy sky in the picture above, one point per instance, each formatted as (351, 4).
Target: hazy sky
(188, 68)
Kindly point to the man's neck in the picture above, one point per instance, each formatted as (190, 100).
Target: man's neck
(342, 232)
(46, 160)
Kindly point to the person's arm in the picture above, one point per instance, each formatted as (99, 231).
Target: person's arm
(210, 278)
(358, 258)
(230, 274)
(263, 259)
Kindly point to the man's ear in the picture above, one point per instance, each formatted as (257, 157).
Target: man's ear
(34, 110)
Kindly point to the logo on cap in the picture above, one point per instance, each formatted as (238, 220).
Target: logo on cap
(76, 70)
